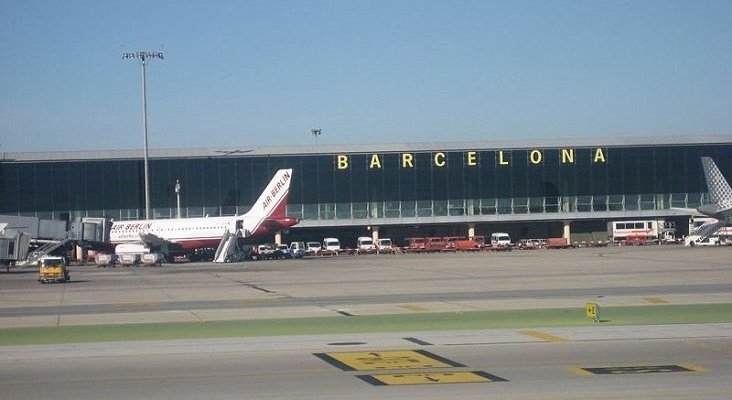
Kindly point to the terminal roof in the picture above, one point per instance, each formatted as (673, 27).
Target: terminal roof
(367, 148)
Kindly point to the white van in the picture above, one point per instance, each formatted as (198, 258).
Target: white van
(500, 239)
(365, 245)
(331, 244)
(312, 248)
(384, 246)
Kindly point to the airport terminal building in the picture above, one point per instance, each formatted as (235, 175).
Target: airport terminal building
(529, 188)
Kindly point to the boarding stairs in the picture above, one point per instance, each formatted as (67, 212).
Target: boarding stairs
(44, 250)
(228, 249)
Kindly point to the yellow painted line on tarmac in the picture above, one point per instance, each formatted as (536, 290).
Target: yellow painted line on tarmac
(385, 360)
(694, 367)
(412, 307)
(655, 300)
(431, 378)
(545, 336)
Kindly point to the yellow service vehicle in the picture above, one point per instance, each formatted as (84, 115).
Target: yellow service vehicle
(53, 270)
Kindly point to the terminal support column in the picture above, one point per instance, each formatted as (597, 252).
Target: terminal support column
(567, 233)
(375, 234)
(278, 237)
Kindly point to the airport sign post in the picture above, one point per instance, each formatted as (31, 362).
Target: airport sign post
(593, 311)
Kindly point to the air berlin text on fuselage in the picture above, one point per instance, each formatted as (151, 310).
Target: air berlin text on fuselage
(131, 227)
(472, 158)
(276, 188)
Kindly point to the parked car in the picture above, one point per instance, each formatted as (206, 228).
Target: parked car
(268, 252)
(284, 250)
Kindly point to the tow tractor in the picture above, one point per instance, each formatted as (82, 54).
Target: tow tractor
(53, 270)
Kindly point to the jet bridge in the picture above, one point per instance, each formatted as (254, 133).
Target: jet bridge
(13, 245)
(44, 236)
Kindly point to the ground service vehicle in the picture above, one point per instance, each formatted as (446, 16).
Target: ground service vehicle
(500, 239)
(52, 270)
(700, 235)
(297, 249)
(705, 241)
(313, 248)
(436, 244)
(529, 244)
(268, 251)
(557, 243)
(105, 260)
(284, 250)
(415, 245)
(331, 246)
(641, 231)
(385, 246)
(474, 243)
(365, 245)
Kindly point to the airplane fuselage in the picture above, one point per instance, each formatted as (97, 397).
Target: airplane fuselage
(193, 233)
(189, 233)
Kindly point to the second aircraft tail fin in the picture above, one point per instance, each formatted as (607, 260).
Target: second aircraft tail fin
(719, 189)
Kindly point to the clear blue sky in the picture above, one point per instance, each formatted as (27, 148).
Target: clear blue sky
(240, 73)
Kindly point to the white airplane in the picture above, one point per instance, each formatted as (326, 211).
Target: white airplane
(720, 197)
(180, 236)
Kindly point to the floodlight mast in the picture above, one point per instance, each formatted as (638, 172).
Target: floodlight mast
(143, 56)
(316, 133)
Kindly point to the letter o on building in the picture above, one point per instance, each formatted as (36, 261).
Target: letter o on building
(536, 157)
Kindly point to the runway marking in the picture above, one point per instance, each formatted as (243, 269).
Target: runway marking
(431, 378)
(138, 304)
(417, 341)
(384, 360)
(694, 367)
(638, 369)
(545, 336)
(414, 308)
(655, 300)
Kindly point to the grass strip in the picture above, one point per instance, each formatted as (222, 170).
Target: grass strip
(509, 319)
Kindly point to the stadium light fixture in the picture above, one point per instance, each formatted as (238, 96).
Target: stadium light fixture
(143, 57)
(316, 133)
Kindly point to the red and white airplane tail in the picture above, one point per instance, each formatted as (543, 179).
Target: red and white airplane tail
(273, 200)
(270, 210)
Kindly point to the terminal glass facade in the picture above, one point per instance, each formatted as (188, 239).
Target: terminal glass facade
(363, 186)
